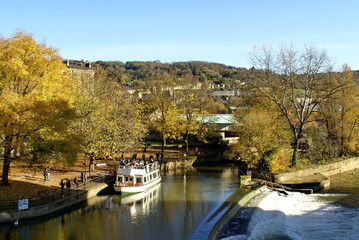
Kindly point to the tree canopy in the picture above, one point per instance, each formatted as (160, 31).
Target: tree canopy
(109, 118)
(302, 91)
(36, 103)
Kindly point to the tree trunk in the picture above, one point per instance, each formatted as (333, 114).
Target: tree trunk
(6, 166)
(186, 142)
(295, 152)
(91, 165)
(163, 144)
(342, 151)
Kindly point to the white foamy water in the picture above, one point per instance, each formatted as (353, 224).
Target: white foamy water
(300, 216)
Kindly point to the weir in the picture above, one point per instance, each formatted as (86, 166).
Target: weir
(332, 214)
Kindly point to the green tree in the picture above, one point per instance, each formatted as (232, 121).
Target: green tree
(35, 96)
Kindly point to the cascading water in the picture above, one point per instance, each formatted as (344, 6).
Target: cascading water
(300, 216)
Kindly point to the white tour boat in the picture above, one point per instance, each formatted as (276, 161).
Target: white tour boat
(137, 178)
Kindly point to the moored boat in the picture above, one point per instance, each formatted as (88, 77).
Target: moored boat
(137, 178)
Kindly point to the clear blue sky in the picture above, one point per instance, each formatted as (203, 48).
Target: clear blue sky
(222, 31)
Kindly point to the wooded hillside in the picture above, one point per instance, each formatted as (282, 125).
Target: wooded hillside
(135, 72)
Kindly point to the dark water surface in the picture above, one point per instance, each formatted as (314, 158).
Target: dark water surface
(175, 209)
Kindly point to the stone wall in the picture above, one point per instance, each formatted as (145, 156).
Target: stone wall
(329, 169)
(179, 166)
(52, 207)
(208, 158)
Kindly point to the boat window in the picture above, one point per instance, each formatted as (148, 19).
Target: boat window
(154, 175)
(145, 179)
(138, 180)
(120, 179)
(126, 178)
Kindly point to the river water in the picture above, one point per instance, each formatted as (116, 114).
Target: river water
(181, 207)
(331, 214)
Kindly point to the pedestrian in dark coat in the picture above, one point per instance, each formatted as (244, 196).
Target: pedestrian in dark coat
(68, 185)
(76, 182)
(62, 185)
(45, 174)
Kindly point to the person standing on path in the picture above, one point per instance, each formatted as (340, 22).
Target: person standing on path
(47, 174)
(62, 185)
(157, 156)
(68, 185)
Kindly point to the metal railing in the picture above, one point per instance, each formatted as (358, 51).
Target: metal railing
(48, 198)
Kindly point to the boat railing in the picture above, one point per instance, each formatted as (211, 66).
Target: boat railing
(148, 167)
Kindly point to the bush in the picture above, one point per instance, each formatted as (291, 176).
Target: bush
(280, 159)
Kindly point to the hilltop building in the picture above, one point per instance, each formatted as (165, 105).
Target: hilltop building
(80, 69)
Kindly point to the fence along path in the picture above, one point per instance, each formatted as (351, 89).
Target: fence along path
(45, 197)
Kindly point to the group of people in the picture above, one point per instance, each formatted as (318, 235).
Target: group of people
(133, 161)
(67, 182)
(159, 156)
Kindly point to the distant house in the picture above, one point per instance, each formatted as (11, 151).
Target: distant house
(225, 124)
(217, 85)
(80, 69)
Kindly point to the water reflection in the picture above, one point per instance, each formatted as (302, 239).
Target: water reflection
(140, 203)
(171, 210)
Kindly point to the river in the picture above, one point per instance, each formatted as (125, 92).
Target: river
(331, 214)
(181, 207)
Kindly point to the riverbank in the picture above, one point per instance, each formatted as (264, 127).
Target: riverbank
(68, 200)
(326, 170)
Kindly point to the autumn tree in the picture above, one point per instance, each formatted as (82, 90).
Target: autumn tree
(262, 137)
(296, 82)
(109, 118)
(35, 98)
(190, 101)
(161, 107)
(340, 115)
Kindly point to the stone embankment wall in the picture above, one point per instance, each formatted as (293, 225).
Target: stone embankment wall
(188, 163)
(176, 165)
(329, 169)
(52, 207)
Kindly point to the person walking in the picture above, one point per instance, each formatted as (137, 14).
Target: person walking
(76, 182)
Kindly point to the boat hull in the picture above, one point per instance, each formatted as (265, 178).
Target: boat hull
(136, 189)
